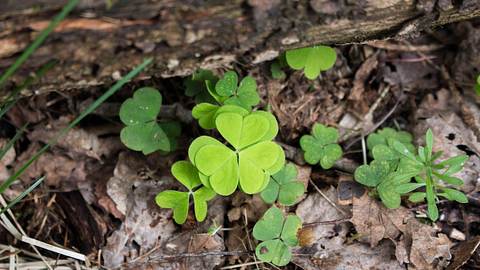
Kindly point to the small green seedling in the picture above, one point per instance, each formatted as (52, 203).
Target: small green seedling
(276, 68)
(226, 91)
(392, 171)
(389, 184)
(321, 147)
(435, 175)
(142, 132)
(284, 187)
(196, 85)
(251, 162)
(477, 86)
(382, 137)
(312, 60)
(179, 201)
(278, 235)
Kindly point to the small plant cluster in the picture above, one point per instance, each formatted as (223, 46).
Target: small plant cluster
(142, 132)
(321, 147)
(246, 158)
(312, 60)
(396, 161)
(277, 232)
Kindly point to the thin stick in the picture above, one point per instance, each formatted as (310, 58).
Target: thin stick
(240, 265)
(364, 151)
(62, 251)
(328, 222)
(12, 259)
(328, 199)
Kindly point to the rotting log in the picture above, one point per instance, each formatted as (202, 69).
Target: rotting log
(96, 44)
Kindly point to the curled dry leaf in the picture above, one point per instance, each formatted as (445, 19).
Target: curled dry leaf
(325, 245)
(419, 243)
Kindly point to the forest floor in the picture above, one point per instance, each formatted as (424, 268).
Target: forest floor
(98, 196)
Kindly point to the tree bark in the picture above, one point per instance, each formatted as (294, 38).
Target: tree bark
(96, 44)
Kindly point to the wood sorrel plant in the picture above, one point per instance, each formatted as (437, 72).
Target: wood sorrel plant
(248, 159)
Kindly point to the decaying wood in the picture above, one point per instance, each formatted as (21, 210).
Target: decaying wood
(96, 44)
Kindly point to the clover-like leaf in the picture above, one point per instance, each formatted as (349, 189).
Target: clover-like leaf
(313, 60)
(142, 132)
(179, 201)
(255, 157)
(274, 251)
(207, 113)
(290, 229)
(278, 233)
(321, 147)
(270, 225)
(227, 85)
(382, 137)
(284, 187)
(195, 85)
(372, 175)
(246, 95)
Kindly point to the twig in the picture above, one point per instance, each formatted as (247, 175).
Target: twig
(336, 221)
(328, 199)
(239, 265)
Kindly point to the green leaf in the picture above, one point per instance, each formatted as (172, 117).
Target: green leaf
(403, 150)
(241, 131)
(198, 143)
(407, 187)
(186, 173)
(142, 108)
(321, 147)
(227, 85)
(313, 60)
(205, 114)
(274, 251)
(195, 85)
(452, 180)
(270, 225)
(219, 163)
(417, 197)
(290, 229)
(200, 199)
(383, 152)
(177, 201)
(254, 161)
(429, 144)
(431, 203)
(284, 187)
(139, 114)
(330, 154)
(386, 136)
(246, 96)
(389, 197)
(373, 174)
(455, 195)
(277, 72)
(456, 161)
(270, 193)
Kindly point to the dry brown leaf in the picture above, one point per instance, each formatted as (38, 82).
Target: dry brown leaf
(7, 159)
(325, 246)
(419, 245)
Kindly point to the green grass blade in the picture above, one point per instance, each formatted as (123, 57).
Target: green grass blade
(23, 194)
(90, 109)
(38, 41)
(13, 97)
(11, 142)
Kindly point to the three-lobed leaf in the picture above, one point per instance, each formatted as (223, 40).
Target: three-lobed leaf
(321, 147)
(313, 60)
(283, 187)
(142, 132)
(179, 201)
(278, 234)
(252, 162)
